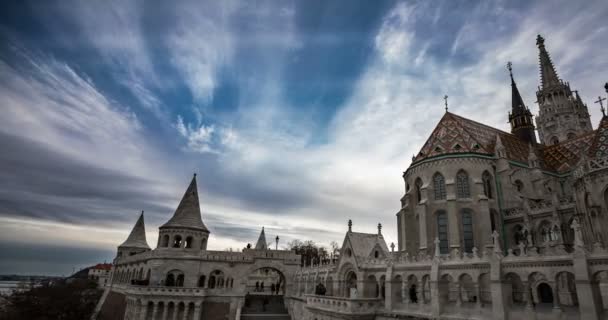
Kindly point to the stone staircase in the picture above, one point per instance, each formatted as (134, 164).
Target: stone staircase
(264, 307)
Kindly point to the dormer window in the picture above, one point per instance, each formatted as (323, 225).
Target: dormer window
(376, 254)
(457, 147)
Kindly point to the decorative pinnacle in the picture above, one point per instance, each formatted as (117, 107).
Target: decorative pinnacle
(446, 102)
(510, 68)
(540, 41)
(379, 228)
(350, 225)
(606, 87)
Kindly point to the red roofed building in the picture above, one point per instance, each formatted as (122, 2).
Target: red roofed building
(101, 273)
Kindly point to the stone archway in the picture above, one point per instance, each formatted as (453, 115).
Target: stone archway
(545, 293)
(265, 289)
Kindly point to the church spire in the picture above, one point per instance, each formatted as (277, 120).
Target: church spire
(548, 76)
(188, 212)
(137, 237)
(520, 117)
(261, 244)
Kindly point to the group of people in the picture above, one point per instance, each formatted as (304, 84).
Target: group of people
(274, 287)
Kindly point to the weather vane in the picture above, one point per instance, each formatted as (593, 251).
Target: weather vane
(446, 102)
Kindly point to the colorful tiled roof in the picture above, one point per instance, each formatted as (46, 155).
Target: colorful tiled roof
(455, 134)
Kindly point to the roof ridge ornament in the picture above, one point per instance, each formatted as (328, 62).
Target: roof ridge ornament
(445, 98)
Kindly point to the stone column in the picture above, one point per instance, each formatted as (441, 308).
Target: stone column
(434, 286)
(421, 210)
(175, 311)
(478, 303)
(556, 307)
(588, 304)
(499, 299)
(404, 292)
(186, 310)
(154, 309)
(165, 311)
(144, 310)
(458, 294)
(528, 295)
(197, 310)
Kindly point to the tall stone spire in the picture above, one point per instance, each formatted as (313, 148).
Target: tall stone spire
(261, 244)
(137, 237)
(522, 124)
(188, 212)
(548, 76)
(562, 114)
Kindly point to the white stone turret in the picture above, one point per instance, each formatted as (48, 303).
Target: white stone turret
(136, 242)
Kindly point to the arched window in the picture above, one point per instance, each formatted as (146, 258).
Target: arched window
(189, 242)
(439, 186)
(165, 242)
(571, 135)
(170, 280)
(462, 185)
(486, 178)
(467, 230)
(177, 241)
(442, 231)
(493, 216)
(179, 282)
(519, 185)
(418, 190)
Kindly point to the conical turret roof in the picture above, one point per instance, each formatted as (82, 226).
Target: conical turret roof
(137, 237)
(261, 244)
(548, 76)
(188, 212)
(517, 103)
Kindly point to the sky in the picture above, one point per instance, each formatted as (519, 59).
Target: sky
(295, 115)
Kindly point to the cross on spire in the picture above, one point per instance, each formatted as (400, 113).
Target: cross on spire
(445, 98)
(599, 100)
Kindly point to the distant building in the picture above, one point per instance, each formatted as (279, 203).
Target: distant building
(100, 273)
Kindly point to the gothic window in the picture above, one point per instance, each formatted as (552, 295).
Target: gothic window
(442, 231)
(519, 185)
(487, 184)
(418, 188)
(439, 186)
(467, 230)
(462, 185)
(493, 215)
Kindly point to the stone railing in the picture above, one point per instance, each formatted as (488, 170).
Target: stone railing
(182, 253)
(177, 291)
(286, 255)
(345, 305)
(590, 167)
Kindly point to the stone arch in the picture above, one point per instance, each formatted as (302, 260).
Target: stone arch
(188, 242)
(599, 286)
(412, 288)
(426, 288)
(539, 295)
(447, 289)
(467, 288)
(371, 288)
(565, 288)
(215, 278)
(165, 241)
(485, 289)
(350, 281)
(177, 241)
(396, 292)
(518, 293)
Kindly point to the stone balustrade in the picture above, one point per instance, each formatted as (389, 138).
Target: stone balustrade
(345, 305)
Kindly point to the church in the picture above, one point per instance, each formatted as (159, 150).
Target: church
(492, 225)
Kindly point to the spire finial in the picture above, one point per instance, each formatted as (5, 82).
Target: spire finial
(379, 228)
(510, 68)
(540, 41)
(445, 98)
(350, 225)
(599, 100)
